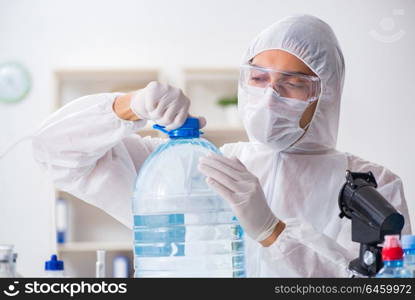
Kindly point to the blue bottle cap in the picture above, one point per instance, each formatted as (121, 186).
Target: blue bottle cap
(54, 264)
(408, 242)
(189, 129)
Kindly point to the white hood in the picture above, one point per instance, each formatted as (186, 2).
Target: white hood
(311, 40)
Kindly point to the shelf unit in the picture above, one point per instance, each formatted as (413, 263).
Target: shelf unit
(90, 228)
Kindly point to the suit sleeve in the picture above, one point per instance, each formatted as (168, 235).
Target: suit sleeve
(88, 151)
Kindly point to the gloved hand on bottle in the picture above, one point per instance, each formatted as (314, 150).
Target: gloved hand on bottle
(243, 191)
(168, 106)
(161, 103)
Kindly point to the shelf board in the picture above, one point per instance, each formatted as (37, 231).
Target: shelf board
(106, 73)
(93, 246)
(211, 74)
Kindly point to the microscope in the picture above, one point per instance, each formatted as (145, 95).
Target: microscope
(372, 218)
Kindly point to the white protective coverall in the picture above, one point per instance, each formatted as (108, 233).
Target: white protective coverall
(91, 153)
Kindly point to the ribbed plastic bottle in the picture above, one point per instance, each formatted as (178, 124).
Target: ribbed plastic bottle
(182, 228)
(408, 245)
(392, 256)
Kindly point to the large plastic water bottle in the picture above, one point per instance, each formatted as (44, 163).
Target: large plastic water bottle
(408, 245)
(182, 228)
(392, 256)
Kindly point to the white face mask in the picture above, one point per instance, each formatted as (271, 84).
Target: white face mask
(271, 119)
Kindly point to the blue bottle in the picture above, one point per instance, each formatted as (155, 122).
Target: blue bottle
(408, 245)
(182, 228)
(392, 256)
(54, 267)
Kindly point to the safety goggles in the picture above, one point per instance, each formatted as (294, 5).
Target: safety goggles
(287, 84)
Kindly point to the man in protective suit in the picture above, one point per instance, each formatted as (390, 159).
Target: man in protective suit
(282, 185)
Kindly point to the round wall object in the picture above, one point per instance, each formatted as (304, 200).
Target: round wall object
(15, 82)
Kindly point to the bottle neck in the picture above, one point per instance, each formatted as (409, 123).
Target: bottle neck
(393, 263)
(184, 134)
(183, 137)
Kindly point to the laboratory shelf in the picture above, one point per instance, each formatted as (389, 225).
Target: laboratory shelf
(74, 83)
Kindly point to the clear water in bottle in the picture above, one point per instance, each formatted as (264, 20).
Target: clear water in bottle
(182, 228)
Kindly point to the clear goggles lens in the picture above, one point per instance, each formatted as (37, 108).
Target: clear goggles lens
(286, 84)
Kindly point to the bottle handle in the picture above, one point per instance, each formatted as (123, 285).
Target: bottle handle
(161, 128)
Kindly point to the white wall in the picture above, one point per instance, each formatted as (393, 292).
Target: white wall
(378, 102)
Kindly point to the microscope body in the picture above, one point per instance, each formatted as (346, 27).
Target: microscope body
(372, 218)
